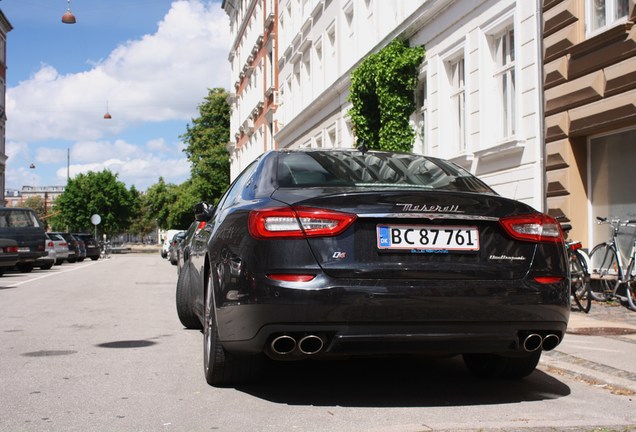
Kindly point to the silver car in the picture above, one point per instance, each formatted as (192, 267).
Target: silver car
(60, 246)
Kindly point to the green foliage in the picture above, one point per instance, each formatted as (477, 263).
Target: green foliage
(205, 142)
(157, 202)
(36, 203)
(381, 93)
(95, 193)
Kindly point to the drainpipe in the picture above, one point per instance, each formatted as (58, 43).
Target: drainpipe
(542, 132)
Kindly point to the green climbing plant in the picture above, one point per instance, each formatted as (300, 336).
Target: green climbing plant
(382, 94)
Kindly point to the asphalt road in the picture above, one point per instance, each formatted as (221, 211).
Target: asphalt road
(97, 346)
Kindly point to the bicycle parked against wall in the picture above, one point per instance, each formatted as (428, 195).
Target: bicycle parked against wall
(579, 274)
(611, 277)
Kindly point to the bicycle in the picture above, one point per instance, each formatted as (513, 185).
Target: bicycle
(579, 275)
(609, 272)
(105, 249)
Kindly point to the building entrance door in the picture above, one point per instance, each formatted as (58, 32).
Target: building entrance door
(612, 180)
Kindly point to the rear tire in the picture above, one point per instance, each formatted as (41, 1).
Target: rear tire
(604, 272)
(495, 366)
(47, 266)
(25, 267)
(222, 368)
(184, 303)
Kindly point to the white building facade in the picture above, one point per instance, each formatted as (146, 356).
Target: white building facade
(479, 95)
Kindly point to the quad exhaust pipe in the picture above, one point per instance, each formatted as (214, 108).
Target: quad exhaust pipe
(534, 341)
(307, 344)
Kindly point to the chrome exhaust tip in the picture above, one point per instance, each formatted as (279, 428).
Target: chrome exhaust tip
(311, 344)
(532, 342)
(283, 345)
(550, 342)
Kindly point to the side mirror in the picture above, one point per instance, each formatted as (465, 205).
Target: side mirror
(203, 211)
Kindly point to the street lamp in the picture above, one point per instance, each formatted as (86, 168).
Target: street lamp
(68, 17)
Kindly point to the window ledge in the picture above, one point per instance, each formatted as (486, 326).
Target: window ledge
(502, 149)
(464, 160)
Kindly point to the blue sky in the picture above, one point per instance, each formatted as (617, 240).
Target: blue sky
(149, 63)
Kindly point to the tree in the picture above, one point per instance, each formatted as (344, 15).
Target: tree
(382, 89)
(95, 193)
(37, 204)
(157, 202)
(206, 139)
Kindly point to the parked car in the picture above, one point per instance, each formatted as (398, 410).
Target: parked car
(46, 262)
(92, 247)
(165, 243)
(74, 252)
(23, 226)
(338, 253)
(184, 247)
(60, 245)
(174, 248)
(8, 254)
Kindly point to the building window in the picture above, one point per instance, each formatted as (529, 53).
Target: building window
(504, 75)
(605, 13)
(348, 14)
(458, 102)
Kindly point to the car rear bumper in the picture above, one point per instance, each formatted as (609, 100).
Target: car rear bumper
(29, 257)
(376, 317)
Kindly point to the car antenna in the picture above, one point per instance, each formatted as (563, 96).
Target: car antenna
(363, 147)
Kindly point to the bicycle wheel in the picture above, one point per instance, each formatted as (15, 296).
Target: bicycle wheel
(631, 286)
(580, 283)
(604, 272)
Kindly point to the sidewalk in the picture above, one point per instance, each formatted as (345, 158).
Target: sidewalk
(599, 348)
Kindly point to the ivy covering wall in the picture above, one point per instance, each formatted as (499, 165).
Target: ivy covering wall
(382, 93)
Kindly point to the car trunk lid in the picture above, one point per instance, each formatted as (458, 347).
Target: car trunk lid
(414, 234)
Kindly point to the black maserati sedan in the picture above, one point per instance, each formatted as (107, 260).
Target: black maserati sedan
(325, 253)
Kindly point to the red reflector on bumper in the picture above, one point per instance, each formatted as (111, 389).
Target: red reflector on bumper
(546, 280)
(291, 277)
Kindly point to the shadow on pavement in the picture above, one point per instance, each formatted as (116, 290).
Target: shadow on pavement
(422, 382)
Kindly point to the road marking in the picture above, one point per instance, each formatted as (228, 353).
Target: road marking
(64, 270)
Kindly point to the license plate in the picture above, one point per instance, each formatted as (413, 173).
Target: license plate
(24, 249)
(428, 237)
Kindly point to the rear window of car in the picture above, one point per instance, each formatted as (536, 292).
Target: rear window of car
(373, 169)
(12, 218)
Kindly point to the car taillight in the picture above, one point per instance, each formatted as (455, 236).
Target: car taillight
(297, 222)
(537, 228)
(11, 249)
(50, 244)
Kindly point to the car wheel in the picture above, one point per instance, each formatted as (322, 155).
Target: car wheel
(501, 367)
(184, 303)
(80, 259)
(47, 266)
(94, 258)
(223, 368)
(59, 262)
(25, 267)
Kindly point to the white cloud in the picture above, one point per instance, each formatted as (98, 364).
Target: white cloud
(141, 172)
(50, 155)
(158, 77)
(163, 76)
